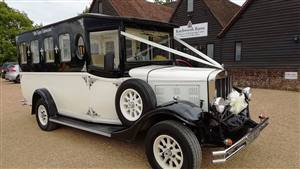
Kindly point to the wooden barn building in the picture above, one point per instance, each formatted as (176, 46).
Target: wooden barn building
(259, 42)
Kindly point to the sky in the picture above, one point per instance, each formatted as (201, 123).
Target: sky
(50, 11)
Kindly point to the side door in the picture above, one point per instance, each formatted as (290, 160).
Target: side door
(103, 84)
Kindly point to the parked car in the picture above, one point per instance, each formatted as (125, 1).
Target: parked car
(118, 77)
(4, 68)
(13, 73)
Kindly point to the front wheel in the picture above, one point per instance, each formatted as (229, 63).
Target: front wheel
(171, 145)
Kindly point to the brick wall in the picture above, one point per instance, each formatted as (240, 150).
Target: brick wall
(265, 78)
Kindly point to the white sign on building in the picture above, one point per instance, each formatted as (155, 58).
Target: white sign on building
(191, 31)
(291, 75)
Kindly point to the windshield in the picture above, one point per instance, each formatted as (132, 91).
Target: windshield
(139, 51)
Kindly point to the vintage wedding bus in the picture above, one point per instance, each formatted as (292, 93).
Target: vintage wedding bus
(119, 77)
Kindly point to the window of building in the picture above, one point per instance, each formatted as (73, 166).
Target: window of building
(49, 49)
(23, 53)
(210, 50)
(102, 43)
(190, 5)
(80, 48)
(238, 51)
(100, 7)
(34, 47)
(65, 47)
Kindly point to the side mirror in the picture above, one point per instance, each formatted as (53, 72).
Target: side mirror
(109, 59)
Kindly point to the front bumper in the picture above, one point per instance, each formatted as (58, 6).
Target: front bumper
(224, 155)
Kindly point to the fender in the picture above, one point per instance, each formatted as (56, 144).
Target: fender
(182, 111)
(45, 94)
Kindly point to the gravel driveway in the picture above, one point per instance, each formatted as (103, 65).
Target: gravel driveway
(24, 145)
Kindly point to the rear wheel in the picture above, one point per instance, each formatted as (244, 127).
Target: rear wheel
(42, 116)
(171, 145)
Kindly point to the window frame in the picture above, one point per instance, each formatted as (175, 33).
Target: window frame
(46, 60)
(117, 60)
(235, 51)
(60, 50)
(214, 51)
(150, 51)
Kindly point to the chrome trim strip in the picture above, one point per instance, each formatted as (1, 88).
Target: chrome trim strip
(224, 155)
(80, 128)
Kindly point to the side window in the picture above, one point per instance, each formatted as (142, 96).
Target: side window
(238, 51)
(80, 51)
(34, 47)
(100, 7)
(23, 53)
(210, 50)
(65, 47)
(190, 5)
(49, 49)
(102, 43)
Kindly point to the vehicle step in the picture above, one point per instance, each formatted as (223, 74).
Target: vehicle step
(101, 129)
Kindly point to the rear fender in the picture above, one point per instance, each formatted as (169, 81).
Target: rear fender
(182, 111)
(45, 94)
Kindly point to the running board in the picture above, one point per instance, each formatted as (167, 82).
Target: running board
(101, 129)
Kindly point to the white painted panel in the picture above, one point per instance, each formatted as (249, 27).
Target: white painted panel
(69, 90)
(102, 97)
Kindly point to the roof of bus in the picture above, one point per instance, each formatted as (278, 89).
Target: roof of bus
(94, 15)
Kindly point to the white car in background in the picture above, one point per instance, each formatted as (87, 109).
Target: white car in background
(13, 73)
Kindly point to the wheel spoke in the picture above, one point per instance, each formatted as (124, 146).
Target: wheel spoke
(175, 162)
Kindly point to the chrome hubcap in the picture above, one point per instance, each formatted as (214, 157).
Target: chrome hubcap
(42, 115)
(167, 152)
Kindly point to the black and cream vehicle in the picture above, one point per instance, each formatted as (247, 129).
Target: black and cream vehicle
(120, 77)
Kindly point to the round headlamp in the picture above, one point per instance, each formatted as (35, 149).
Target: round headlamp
(219, 104)
(248, 92)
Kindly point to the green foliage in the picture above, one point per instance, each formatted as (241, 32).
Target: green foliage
(12, 22)
(163, 1)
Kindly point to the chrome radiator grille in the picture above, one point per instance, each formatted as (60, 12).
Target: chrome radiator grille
(223, 86)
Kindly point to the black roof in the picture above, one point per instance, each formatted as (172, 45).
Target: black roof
(102, 16)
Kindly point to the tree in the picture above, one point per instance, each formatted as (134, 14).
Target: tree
(163, 1)
(12, 22)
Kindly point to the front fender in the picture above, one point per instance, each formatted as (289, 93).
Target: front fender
(182, 111)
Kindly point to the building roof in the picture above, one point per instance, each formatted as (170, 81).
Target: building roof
(223, 10)
(141, 9)
(235, 18)
(172, 4)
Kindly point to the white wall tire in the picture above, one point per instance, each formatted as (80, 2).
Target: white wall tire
(134, 98)
(171, 145)
(42, 116)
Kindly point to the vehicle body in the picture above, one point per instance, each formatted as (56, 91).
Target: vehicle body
(4, 68)
(13, 73)
(117, 77)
